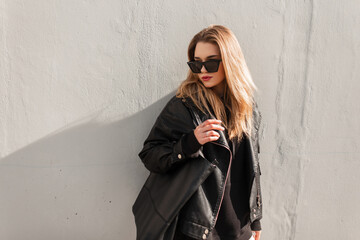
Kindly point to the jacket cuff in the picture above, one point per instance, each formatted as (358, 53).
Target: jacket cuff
(255, 225)
(190, 145)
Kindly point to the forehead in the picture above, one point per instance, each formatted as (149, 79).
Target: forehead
(205, 49)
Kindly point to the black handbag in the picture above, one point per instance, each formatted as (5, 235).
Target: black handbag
(157, 206)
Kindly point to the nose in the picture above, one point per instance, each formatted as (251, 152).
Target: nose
(203, 67)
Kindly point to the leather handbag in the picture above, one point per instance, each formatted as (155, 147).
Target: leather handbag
(157, 206)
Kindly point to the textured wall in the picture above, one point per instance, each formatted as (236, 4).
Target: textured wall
(83, 81)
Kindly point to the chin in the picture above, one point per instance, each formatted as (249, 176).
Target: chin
(208, 85)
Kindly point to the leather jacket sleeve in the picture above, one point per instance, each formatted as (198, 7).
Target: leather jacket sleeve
(190, 144)
(164, 148)
(256, 226)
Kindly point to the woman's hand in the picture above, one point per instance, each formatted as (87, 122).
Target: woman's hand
(204, 132)
(257, 235)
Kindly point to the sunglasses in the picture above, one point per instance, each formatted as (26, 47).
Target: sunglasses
(210, 65)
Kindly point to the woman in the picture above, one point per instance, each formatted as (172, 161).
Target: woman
(202, 152)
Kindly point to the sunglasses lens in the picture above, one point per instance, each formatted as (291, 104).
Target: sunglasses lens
(212, 66)
(195, 67)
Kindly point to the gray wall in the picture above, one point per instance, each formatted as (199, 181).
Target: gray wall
(83, 81)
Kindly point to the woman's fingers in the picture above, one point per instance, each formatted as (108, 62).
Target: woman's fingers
(257, 235)
(205, 132)
(211, 133)
(213, 126)
(209, 139)
(210, 121)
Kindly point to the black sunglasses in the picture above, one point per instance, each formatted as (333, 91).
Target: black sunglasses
(211, 65)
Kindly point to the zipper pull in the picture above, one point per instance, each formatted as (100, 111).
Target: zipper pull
(258, 200)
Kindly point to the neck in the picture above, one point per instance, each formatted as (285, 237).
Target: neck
(219, 94)
(219, 89)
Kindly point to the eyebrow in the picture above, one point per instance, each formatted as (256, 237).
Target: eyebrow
(211, 56)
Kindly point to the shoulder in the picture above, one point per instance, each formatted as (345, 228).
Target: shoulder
(176, 111)
(175, 100)
(175, 104)
(256, 114)
(256, 108)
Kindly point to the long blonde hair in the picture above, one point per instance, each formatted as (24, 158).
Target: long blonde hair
(239, 88)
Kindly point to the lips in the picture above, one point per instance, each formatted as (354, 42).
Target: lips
(206, 78)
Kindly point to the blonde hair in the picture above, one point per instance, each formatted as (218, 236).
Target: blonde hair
(239, 88)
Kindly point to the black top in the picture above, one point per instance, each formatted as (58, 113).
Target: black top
(233, 221)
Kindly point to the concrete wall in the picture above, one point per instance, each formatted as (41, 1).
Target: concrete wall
(83, 81)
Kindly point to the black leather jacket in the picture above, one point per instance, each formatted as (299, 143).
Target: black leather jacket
(186, 191)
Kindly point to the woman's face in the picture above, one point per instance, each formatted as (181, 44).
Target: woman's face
(203, 52)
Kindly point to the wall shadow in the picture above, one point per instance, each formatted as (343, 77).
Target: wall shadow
(80, 182)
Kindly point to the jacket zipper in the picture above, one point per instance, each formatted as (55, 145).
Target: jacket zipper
(227, 174)
(222, 196)
(258, 203)
(197, 119)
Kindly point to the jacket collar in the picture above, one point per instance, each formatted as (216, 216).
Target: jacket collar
(201, 117)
